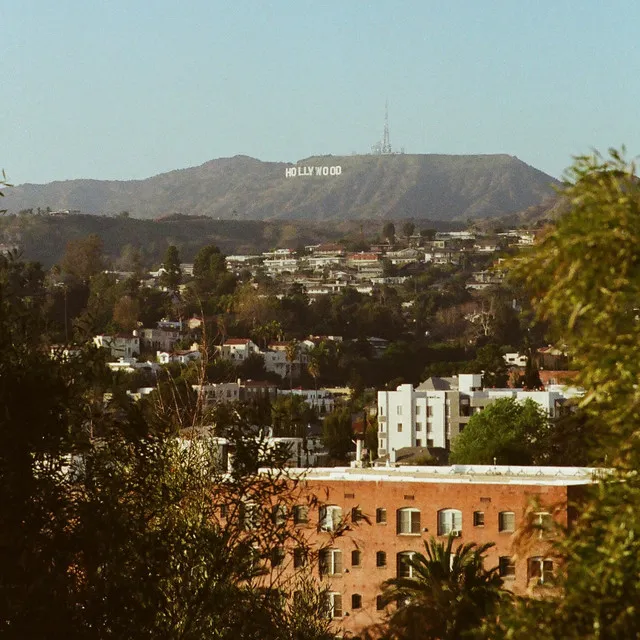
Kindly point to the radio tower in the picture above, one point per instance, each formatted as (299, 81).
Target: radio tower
(386, 143)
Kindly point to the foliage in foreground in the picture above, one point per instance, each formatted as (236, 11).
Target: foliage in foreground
(111, 527)
(448, 594)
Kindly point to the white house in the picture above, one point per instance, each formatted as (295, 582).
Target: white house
(218, 393)
(121, 345)
(182, 356)
(237, 349)
(320, 399)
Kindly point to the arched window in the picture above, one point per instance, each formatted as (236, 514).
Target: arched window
(404, 568)
(381, 558)
(330, 517)
(408, 521)
(449, 522)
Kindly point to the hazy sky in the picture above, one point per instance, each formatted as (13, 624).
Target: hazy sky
(125, 89)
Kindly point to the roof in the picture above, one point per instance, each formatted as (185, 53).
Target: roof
(438, 384)
(364, 256)
(237, 341)
(461, 474)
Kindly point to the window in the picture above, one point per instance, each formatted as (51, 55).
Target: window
(299, 557)
(379, 603)
(300, 514)
(417, 409)
(250, 515)
(330, 562)
(418, 442)
(381, 412)
(506, 521)
(381, 427)
(399, 427)
(418, 426)
(333, 605)
(408, 521)
(356, 601)
(279, 514)
(429, 442)
(449, 522)
(399, 410)
(429, 412)
(478, 518)
(381, 516)
(330, 517)
(544, 522)
(356, 558)
(404, 568)
(507, 567)
(277, 556)
(356, 514)
(540, 570)
(381, 559)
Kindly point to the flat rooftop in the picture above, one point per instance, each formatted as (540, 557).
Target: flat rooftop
(458, 474)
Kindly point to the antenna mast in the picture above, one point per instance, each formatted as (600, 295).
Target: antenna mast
(386, 143)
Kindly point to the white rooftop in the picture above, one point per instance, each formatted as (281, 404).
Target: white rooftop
(463, 474)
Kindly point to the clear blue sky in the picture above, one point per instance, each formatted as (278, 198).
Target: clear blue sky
(124, 89)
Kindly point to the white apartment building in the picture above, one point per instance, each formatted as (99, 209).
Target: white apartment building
(435, 412)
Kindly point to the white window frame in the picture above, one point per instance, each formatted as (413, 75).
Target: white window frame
(408, 521)
(330, 517)
(409, 555)
(331, 562)
(334, 605)
(546, 575)
(449, 521)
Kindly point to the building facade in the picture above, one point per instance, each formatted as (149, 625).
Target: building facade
(436, 411)
(391, 512)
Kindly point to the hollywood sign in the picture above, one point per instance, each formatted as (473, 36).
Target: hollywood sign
(293, 172)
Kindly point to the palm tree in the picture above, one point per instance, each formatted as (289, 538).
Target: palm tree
(445, 594)
(292, 351)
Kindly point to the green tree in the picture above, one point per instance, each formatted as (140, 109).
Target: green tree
(389, 232)
(131, 533)
(407, 229)
(505, 432)
(290, 416)
(293, 356)
(337, 433)
(172, 274)
(584, 278)
(83, 258)
(491, 364)
(443, 594)
(126, 312)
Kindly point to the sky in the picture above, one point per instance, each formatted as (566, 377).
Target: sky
(126, 89)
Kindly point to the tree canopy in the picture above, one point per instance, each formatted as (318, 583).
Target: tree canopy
(505, 432)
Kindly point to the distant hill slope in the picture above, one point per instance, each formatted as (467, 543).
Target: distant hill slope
(438, 187)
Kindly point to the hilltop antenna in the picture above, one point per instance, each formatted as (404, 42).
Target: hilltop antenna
(386, 143)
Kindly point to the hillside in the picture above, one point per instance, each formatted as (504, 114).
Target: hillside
(44, 238)
(437, 187)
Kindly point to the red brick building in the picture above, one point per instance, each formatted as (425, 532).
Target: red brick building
(390, 512)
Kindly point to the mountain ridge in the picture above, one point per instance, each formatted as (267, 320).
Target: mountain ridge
(420, 186)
